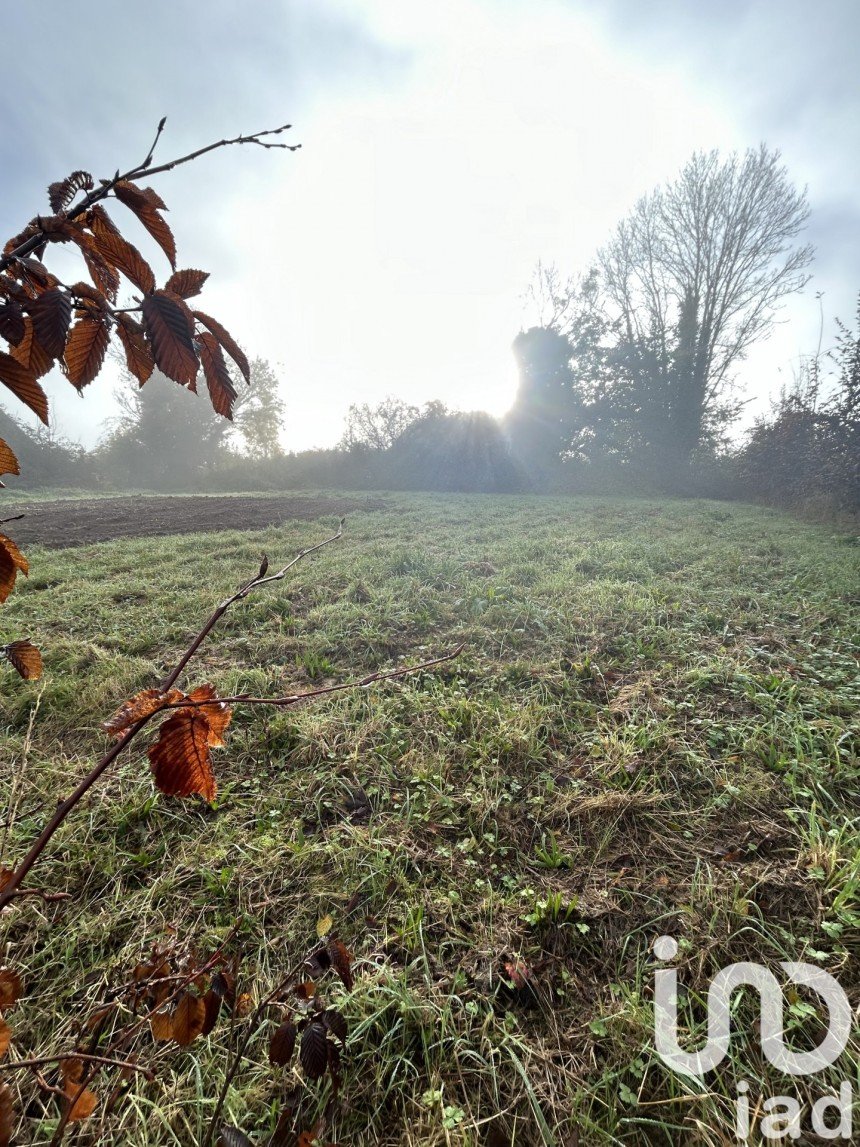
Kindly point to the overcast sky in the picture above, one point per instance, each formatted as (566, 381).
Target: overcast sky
(446, 147)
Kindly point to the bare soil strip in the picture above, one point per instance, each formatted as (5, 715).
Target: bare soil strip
(72, 522)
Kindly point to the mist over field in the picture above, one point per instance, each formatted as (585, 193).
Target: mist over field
(430, 451)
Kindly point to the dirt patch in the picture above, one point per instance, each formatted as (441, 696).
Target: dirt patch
(75, 523)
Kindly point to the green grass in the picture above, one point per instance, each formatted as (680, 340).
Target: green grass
(652, 729)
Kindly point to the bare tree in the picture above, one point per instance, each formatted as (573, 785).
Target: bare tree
(377, 427)
(696, 273)
(549, 298)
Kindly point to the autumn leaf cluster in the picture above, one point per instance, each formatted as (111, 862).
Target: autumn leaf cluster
(48, 323)
(45, 323)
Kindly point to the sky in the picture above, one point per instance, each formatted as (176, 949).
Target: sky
(446, 148)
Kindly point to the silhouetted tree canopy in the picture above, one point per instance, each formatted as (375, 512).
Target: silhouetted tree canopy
(377, 427)
(442, 450)
(540, 422)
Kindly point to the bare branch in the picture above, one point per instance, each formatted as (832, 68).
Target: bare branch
(256, 138)
(297, 698)
(254, 583)
(104, 1060)
(106, 186)
(64, 807)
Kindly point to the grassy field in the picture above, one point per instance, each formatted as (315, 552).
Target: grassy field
(652, 729)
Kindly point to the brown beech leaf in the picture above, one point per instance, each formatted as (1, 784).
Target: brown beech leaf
(10, 988)
(243, 1004)
(186, 283)
(11, 561)
(334, 1066)
(519, 973)
(8, 461)
(55, 227)
(166, 320)
(140, 201)
(341, 961)
(188, 1019)
(138, 355)
(161, 1025)
(84, 293)
(5, 1037)
(24, 385)
(9, 289)
(97, 1021)
(141, 705)
(105, 277)
(34, 275)
(180, 757)
(30, 353)
(8, 574)
(308, 1137)
(61, 194)
(313, 1051)
(80, 1103)
(227, 342)
(224, 985)
(7, 1114)
(119, 253)
(85, 350)
(335, 1023)
(51, 314)
(153, 198)
(159, 229)
(212, 1004)
(221, 389)
(24, 657)
(217, 714)
(12, 322)
(282, 1043)
(131, 195)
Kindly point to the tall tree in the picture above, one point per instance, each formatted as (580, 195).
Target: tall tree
(580, 395)
(377, 427)
(258, 413)
(539, 422)
(695, 274)
(165, 437)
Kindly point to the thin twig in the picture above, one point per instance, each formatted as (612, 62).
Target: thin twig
(250, 1030)
(295, 698)
(144, 168)
(187, 978)
(64, 807)
(48, 897)
(158, 132)
(104, 1060)
(127, 1035)
(254, 583)
(255, 138)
